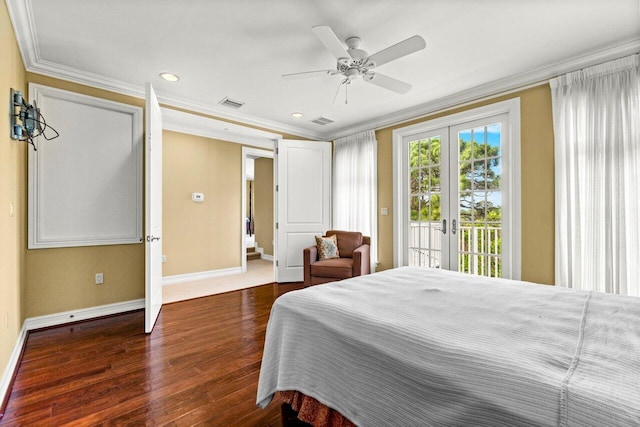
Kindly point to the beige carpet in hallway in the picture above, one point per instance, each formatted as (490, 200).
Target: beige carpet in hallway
(259, 272)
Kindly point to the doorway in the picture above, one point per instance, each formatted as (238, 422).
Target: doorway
(457, 192)
(455, 203)
(258, 224)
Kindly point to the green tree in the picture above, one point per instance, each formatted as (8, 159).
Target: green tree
(478, 163)
(425, 177)
(477, 172)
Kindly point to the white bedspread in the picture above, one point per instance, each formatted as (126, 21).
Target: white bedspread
(418, 347)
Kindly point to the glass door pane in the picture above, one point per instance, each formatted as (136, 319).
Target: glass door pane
(479, 201)
(425, 234)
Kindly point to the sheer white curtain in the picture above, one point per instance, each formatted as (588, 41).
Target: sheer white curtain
(355, 186)
(596, 115)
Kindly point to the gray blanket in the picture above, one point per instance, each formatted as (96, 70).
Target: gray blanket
(419, 347)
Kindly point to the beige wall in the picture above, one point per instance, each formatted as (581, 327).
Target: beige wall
(537, 175)
(12, 192)
(63, 279)
(263, 178)
(204, 236)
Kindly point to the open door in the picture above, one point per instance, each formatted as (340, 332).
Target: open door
(153, 209)
(303, 202)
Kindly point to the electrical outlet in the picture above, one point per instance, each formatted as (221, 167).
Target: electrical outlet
(164, 258)
(99, 278)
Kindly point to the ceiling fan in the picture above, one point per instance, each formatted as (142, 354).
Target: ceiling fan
(354, 62)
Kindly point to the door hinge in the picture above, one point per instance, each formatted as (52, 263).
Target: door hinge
(276, 150)
(276, 225)
(277, 187)
(276, 263)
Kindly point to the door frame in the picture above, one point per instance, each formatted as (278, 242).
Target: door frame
(511, 154)
(248, 153)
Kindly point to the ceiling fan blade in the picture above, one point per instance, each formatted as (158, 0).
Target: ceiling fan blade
(398, 50)
(387, 82)
(309, 74)
(329, 39)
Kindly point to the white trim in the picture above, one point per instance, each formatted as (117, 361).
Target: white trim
(179, 121)
(62, 318)
(21, 16)
(263, 255)
(511, 107)
(222, 112)
(23, 24)
(201, 275)
(497, 87)
(33, 323)
(12, 364)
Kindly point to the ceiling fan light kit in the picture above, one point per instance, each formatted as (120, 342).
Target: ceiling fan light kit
(354, 62)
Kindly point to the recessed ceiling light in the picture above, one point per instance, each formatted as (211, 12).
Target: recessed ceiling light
(297, 115)
(170, 77)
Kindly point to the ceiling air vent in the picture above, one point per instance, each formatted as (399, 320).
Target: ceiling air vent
(231, 103)
(322, 121)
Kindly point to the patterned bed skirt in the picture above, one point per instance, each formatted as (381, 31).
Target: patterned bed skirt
(313, 412)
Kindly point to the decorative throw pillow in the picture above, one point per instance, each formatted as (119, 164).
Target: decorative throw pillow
(327, 247)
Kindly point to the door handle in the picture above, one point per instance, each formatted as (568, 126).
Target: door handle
(453, 227)
(444, 226)
(152, 238)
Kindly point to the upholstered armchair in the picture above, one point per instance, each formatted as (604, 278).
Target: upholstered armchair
(354, 260)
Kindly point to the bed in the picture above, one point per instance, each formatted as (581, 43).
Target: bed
(419, 346)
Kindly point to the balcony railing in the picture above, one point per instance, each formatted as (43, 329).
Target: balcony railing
(479, 248)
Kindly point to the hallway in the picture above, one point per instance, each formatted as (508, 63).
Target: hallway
(259, 272)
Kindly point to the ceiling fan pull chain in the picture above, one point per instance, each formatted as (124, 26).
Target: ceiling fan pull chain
(346, 93)
(337, 92)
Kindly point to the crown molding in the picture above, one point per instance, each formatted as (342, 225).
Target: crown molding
(98, 81)
(21, 16)
(193, 124)
(224, 113)
(495, 88)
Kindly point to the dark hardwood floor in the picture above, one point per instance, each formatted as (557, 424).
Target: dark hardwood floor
(200, 366)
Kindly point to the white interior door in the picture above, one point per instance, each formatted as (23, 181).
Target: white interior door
(153, 209)
(303, 207)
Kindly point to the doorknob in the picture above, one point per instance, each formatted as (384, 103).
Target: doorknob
(152, 238)
(453, 226)
(444, 226)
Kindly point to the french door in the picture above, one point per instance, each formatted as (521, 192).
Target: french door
(455, 196)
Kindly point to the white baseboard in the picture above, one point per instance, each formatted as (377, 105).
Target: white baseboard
(12, 365)
(82, 314)
(55, 319)
(263, 255)
(201, 275)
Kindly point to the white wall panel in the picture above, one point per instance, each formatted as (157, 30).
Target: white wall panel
(85, 187)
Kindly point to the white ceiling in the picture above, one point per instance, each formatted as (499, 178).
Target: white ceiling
(240, 49)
